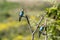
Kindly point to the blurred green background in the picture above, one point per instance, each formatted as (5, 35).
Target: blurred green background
(11, 28)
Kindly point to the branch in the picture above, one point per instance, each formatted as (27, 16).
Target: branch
(45, 24)
(39, 23)
(29, 24)
(33, 32)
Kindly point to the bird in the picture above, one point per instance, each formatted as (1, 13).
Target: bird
(21, 14)
(40, 30)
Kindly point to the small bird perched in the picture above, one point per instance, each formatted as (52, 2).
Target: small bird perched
(40, 30)
(21, 14)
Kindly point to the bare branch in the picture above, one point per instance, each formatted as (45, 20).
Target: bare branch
(46, 37)
(33, 32)
(38, 24)
(29, 24)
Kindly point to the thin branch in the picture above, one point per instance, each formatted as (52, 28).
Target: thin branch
(29, 24)
(33, 32)
(46, 37)
(38, 24)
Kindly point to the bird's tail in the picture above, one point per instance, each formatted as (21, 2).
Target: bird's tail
(39, 34)
(20, 18)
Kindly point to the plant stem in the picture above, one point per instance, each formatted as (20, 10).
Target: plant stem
(32, 36)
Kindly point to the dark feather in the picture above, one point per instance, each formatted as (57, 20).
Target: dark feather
(39, 34)
(20, 18)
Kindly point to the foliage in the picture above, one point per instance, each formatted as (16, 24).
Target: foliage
(54, 13)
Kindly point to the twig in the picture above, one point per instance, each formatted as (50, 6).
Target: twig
(33, 32)
(37, 27)
(46, 37)
(29, 24)
(39, 23)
